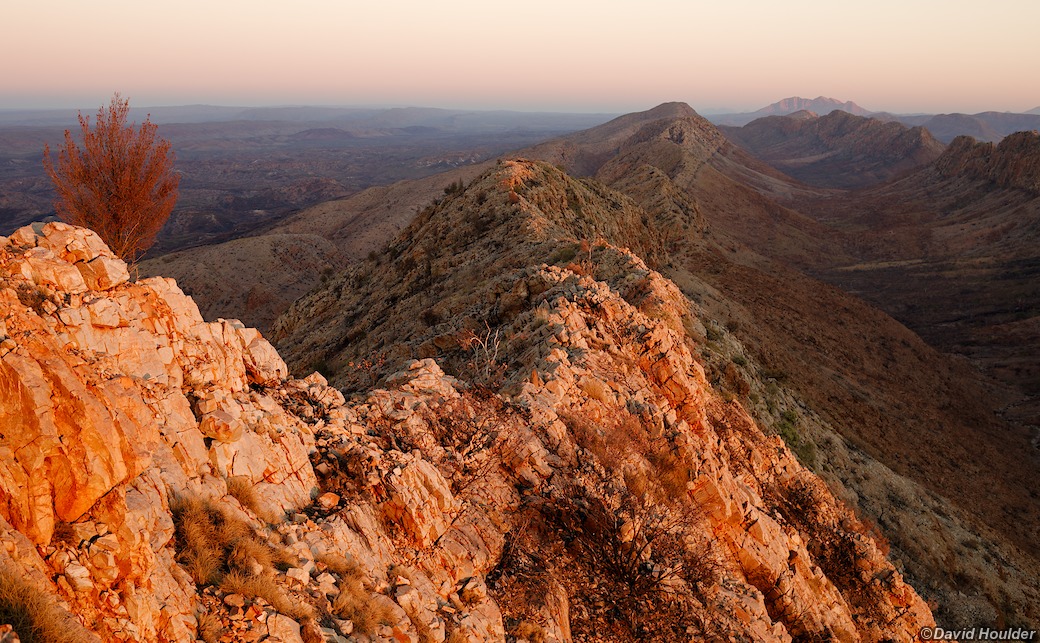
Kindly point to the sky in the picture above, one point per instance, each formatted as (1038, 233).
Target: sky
(613, 56)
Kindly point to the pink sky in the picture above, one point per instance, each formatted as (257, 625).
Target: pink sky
(574, 55)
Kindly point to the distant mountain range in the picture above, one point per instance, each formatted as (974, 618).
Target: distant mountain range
(819, 105)
(984, 126)
(988, 127)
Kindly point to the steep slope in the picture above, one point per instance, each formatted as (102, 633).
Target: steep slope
(612, 494)
(838, 150)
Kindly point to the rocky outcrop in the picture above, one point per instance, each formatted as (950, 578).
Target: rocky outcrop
(1014, 162)
(114, 398)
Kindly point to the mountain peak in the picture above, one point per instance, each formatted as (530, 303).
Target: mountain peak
(675, 109)
(820, 105)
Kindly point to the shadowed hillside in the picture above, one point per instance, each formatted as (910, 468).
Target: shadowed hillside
(838, 150)
(951, 250)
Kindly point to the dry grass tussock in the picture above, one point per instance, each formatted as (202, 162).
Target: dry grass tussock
(35, 613)
(210, 628)
(529, 631)
(241, 489)
(354, 601)
(217, 548)
(620, 442)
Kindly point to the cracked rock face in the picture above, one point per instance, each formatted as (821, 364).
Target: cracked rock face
(101, 385)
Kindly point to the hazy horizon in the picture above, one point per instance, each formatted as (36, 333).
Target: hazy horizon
(581, 56)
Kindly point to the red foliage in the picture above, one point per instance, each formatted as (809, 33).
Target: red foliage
(121, 184)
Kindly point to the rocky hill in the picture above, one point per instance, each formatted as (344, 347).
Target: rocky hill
(838, 150)
(735, 193)
(164, 479)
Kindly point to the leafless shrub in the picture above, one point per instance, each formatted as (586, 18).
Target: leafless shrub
(641, 543)
(369, 369)
(837, 541)
(484, 365)
(624, 437)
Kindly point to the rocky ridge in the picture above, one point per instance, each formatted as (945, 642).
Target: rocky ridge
(523, 213)
(838, 379)
(426, 510)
